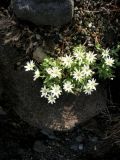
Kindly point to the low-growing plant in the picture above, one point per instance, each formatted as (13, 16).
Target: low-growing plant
(74, 73)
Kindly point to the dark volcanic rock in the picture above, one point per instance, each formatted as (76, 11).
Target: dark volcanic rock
(40, 12)
(23, 94)
(1, 88)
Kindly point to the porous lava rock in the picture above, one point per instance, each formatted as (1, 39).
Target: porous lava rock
(22, 94)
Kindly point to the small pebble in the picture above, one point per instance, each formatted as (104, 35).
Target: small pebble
(90, 25)
(38, 37)
(74, 147)
(81, 147)
(79, 139)
(2, 113)
(76, 8)
(18, 63)
(39, 147)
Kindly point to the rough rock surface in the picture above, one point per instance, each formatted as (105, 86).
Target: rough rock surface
(1, 88)
(23, 94)
(40, 12)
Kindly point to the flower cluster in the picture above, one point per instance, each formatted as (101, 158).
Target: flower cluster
(72, 73)
(108, 61)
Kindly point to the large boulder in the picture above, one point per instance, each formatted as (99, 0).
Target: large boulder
(22, 94)
(44, 12)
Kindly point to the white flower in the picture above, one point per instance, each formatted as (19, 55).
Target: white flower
(51, 99)
(77, 75)
(44, 90)
(90, 86)
(56, 90)
(67, 61)
(109, 61)
(105, 53)
(54, 72)
(49, 70)
(68, 86)
(88, 90)
(86, 71)
(29, 66)
(36, 74)
(90, 57)
(79, 53)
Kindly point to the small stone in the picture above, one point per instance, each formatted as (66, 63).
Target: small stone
(76, 8)
(77, 16)
(90, 25)
(77, 147)
(38, 37)
(94, 139)
(67, 48)
(79, 139)
(39, 147)
(2, 113)
(95, 148)
(18, 63)
(74, 147)
(49, 134)
(39, 54)
(81, 147)
(80, 22)
(117, 20)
